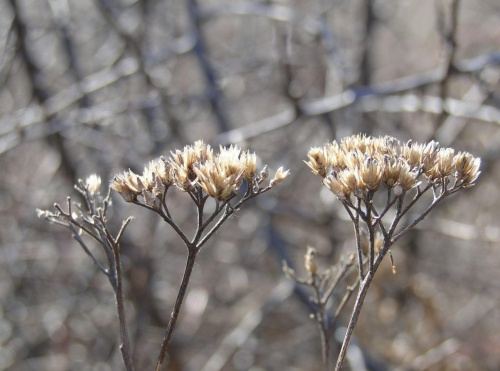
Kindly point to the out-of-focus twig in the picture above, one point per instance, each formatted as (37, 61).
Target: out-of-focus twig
(213, 92)
(450, 49)
(241, 332)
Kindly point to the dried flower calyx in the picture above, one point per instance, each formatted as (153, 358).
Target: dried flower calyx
(196, 167)
(361, 164)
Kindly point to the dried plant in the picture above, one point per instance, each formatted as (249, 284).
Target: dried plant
(195, 170)
(90, 219)
(378, 181)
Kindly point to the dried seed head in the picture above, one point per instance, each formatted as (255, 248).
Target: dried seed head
(352, 182)
(93, 183)
(264, 173)
(412, 153)
(354, 143)
(128, 185)
(353, 159)
(279, 177)
(444, 163)
(407, 178)
(390, 173)
(249, 162)
(334, 155)
(335, 185)
(216, 181)
(371, 174)
(429, 156)
(310, 262)
(183, 163)
(229, 160)
(318, 161)
(466, 168)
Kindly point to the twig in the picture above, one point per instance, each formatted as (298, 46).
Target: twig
(213, 92)
(450, 38)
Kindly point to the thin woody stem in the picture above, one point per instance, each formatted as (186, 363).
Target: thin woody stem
(362, 291)
(177, 307)
(120, 304)
(320, 320)
(355, 220)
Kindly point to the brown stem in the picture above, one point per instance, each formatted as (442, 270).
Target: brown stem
(363, 289)
(120, 304)
(320, 320)
(325, 345)
(177, 307)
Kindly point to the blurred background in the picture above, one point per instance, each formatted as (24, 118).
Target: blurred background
(106, 85)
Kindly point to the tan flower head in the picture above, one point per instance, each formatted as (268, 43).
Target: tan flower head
(371, 173)
(249, 162)
(466, 168)
(93, 183)
(390, 173)
(163, 171)
(353, 160)
(335, 156)
(412, 153)
(444, 163)
(183, 163)
(429, 156)
(336, 186)
(310, 262)
(229, 160)
(215, 181)
(128, 185)
(318, 161)
(407, 177)
(279, 177)
(354, 143)
(360, 164)
(353, 182)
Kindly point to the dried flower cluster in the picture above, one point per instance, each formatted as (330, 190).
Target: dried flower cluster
(196, 170)
(361, 164)
(219, 175)
(354, 170)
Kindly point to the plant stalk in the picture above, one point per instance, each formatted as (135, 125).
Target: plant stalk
(177, 307)
(363, 289)
(120, 304)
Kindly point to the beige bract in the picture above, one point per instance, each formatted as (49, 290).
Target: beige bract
(361, 164)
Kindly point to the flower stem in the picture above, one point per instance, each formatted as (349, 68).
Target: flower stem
(177, 307)
(363, 289)
(120, 304)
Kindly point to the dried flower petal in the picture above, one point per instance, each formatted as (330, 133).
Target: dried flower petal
(279, 177)
(310, 262)
(93, 183)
